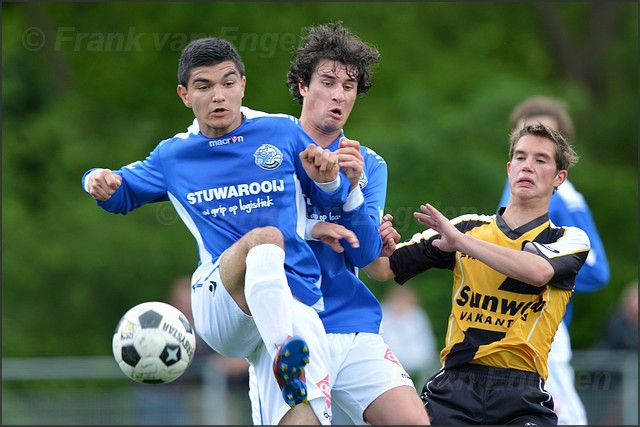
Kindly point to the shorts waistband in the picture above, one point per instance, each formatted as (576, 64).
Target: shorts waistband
(496, 373)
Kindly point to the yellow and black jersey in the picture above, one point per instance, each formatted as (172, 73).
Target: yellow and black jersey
(496, 320)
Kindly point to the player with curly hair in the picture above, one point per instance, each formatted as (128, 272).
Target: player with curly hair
(331, 67)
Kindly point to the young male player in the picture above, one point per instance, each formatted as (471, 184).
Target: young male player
(237, 185)
(567, 207)
(330, 69)
(514, 273)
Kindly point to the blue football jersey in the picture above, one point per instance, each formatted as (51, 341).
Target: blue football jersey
(224, 187)
(349, 305)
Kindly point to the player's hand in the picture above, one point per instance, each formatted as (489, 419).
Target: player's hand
(103, 183)
(321, 165)
(390, 237)
(331, 234)
(350, 160)
(449, 235)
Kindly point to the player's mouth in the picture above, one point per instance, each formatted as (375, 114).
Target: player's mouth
(525, 182)
(217, 112)
(336, 113)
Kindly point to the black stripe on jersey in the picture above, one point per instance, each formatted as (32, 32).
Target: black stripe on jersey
(549, 235)
(465, 350)
(470, 224)
(518, 287)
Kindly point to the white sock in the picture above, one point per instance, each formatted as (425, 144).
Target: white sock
(268, 295)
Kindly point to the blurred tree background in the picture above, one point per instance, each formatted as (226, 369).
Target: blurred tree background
(94, 85)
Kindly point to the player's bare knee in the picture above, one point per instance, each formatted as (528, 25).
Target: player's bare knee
(301, 414)
(265, 235)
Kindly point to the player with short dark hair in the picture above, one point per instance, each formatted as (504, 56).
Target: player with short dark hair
(238, 183)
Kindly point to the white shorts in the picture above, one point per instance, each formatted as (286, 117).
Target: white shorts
(232, 333)
(363, 367)
(216, 316)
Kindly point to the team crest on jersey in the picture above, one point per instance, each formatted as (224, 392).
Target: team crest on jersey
(268, 157)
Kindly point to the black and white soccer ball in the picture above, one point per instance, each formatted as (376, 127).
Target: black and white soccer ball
(154, 343)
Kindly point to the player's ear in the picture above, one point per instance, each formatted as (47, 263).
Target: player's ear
(184, 95)
(560, 177)
(302, 88)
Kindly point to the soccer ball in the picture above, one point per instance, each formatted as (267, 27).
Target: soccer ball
(153, 343)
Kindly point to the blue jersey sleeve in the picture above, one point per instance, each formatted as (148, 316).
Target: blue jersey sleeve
(142, 182)
(365, 219)
(594, 274)
(319, 197)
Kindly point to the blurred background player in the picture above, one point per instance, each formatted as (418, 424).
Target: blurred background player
(619, 337)
(408, 332)
(567, 208)
(621, 329)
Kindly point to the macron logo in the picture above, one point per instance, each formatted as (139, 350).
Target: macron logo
(225, 141)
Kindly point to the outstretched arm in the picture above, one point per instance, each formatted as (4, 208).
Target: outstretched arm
(380, 270)
(594, 274)
(525, 266)
(129, 187)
